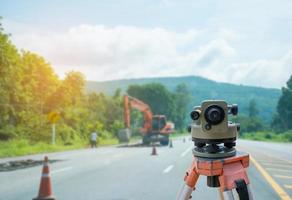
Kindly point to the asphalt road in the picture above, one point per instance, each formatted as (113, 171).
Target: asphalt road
(120, 173)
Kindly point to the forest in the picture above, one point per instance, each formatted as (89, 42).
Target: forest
(201, 88)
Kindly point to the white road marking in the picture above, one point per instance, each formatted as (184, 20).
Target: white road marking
(288, 186)
(271, 159)
(276, 169)
(280, 162)
(276, 165)
(167, 169)
(186, 151)
(282, 176)
(61, 170)
(285, 160)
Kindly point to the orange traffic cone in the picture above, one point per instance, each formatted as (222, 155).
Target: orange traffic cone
(154, 152)
(45, 191)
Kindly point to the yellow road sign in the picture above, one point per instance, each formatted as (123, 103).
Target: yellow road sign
(53, 117)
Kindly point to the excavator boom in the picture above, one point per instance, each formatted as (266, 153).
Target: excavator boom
(155, 127)
(131, 102)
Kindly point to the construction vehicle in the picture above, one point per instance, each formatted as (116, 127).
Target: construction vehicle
(155, 127)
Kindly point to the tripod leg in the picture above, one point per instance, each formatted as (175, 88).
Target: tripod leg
(228, 195)
(185, 193)
(234, 177)
(220, 194)
(249, 192)
(190, 179)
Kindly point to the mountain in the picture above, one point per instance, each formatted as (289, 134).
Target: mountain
(201, 89)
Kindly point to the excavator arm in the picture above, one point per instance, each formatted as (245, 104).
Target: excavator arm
(131, 102)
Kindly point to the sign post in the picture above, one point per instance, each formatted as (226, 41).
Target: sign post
(53, 117)
(53, 133)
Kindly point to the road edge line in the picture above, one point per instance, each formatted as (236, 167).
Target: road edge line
(278, 189)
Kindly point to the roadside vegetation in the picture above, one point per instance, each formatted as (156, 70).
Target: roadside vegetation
(269, 136)
(25, 147)
(279, 129)
(30, 90)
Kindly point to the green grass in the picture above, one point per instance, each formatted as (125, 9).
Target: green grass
(111, 141)
(23, 147)
(268, 136)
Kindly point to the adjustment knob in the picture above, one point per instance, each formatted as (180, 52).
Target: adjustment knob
(234, 109)
(195, 114)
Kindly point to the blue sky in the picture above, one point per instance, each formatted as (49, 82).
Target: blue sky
(244, 42)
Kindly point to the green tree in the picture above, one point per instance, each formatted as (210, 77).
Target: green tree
(252, 122)
(74, 85)
(284, 108)
(182, 100)
(160, 100)
(38, 82)
(10, 87)
(69, 92)
(252, 108)
(249, 124)
(105, 110)
(117, 93)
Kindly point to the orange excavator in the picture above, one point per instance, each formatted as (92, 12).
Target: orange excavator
(155, 127)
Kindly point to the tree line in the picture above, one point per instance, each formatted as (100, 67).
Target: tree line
(281, 124)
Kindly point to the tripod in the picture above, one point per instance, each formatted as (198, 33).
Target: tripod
(227, 173)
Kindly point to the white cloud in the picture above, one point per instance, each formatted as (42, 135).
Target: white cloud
(104, 53)
(269, 73)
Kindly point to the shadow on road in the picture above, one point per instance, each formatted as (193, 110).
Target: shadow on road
(138, 145)
(22, 164)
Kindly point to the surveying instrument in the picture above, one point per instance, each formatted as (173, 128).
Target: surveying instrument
(215, 155)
